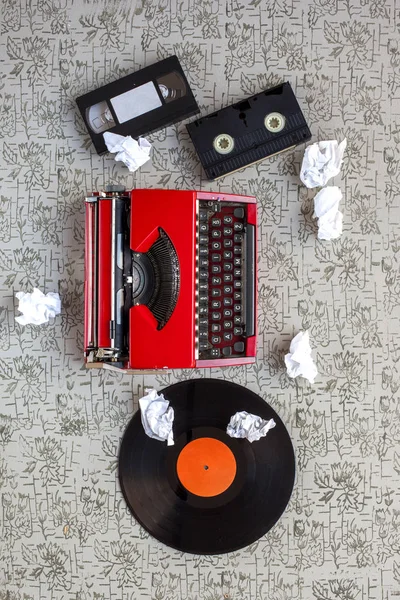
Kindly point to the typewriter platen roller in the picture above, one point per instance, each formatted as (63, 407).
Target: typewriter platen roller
(170, 279)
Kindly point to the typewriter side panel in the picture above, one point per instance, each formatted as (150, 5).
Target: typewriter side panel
(173, 345)
(90, 295)
(104, 274)
(251, 343)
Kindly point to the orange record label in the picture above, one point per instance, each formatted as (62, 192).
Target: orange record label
(206, 467)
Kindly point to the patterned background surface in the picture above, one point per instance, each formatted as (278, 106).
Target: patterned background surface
(65, 530)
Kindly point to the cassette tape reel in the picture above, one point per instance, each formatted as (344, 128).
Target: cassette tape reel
(99, 117)
(171, 86)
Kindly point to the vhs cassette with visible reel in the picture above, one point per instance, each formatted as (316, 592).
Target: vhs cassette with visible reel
(249, 131)
(138, 104)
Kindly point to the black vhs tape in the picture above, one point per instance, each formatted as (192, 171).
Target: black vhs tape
(249, 131)
(139, 103)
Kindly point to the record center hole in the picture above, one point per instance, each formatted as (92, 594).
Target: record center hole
(206, 467)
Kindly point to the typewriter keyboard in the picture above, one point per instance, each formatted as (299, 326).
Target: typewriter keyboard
(225, 288)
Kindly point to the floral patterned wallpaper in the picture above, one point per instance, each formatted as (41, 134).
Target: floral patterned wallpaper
(66, 533)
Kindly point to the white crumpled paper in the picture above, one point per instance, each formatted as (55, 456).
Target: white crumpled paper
(246, 425)
(299, 362)
(326, 208)
(37, 308)
(132, 153)
(157, 417)
(321, 162)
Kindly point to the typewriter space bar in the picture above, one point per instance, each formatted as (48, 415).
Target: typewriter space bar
(250, 281)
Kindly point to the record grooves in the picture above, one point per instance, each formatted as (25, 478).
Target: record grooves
(225, 513)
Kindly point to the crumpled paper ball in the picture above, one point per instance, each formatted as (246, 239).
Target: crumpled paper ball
(298, 361)
(326, 208)
(37, 308)
(246, 425)
(321, 162)
(157, 417)
(129, 151)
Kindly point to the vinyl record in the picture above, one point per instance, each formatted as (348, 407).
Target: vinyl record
(209, 493)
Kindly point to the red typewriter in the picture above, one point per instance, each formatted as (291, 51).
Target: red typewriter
(170, 279)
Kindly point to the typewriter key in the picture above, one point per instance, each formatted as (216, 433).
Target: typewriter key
(239, 213)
